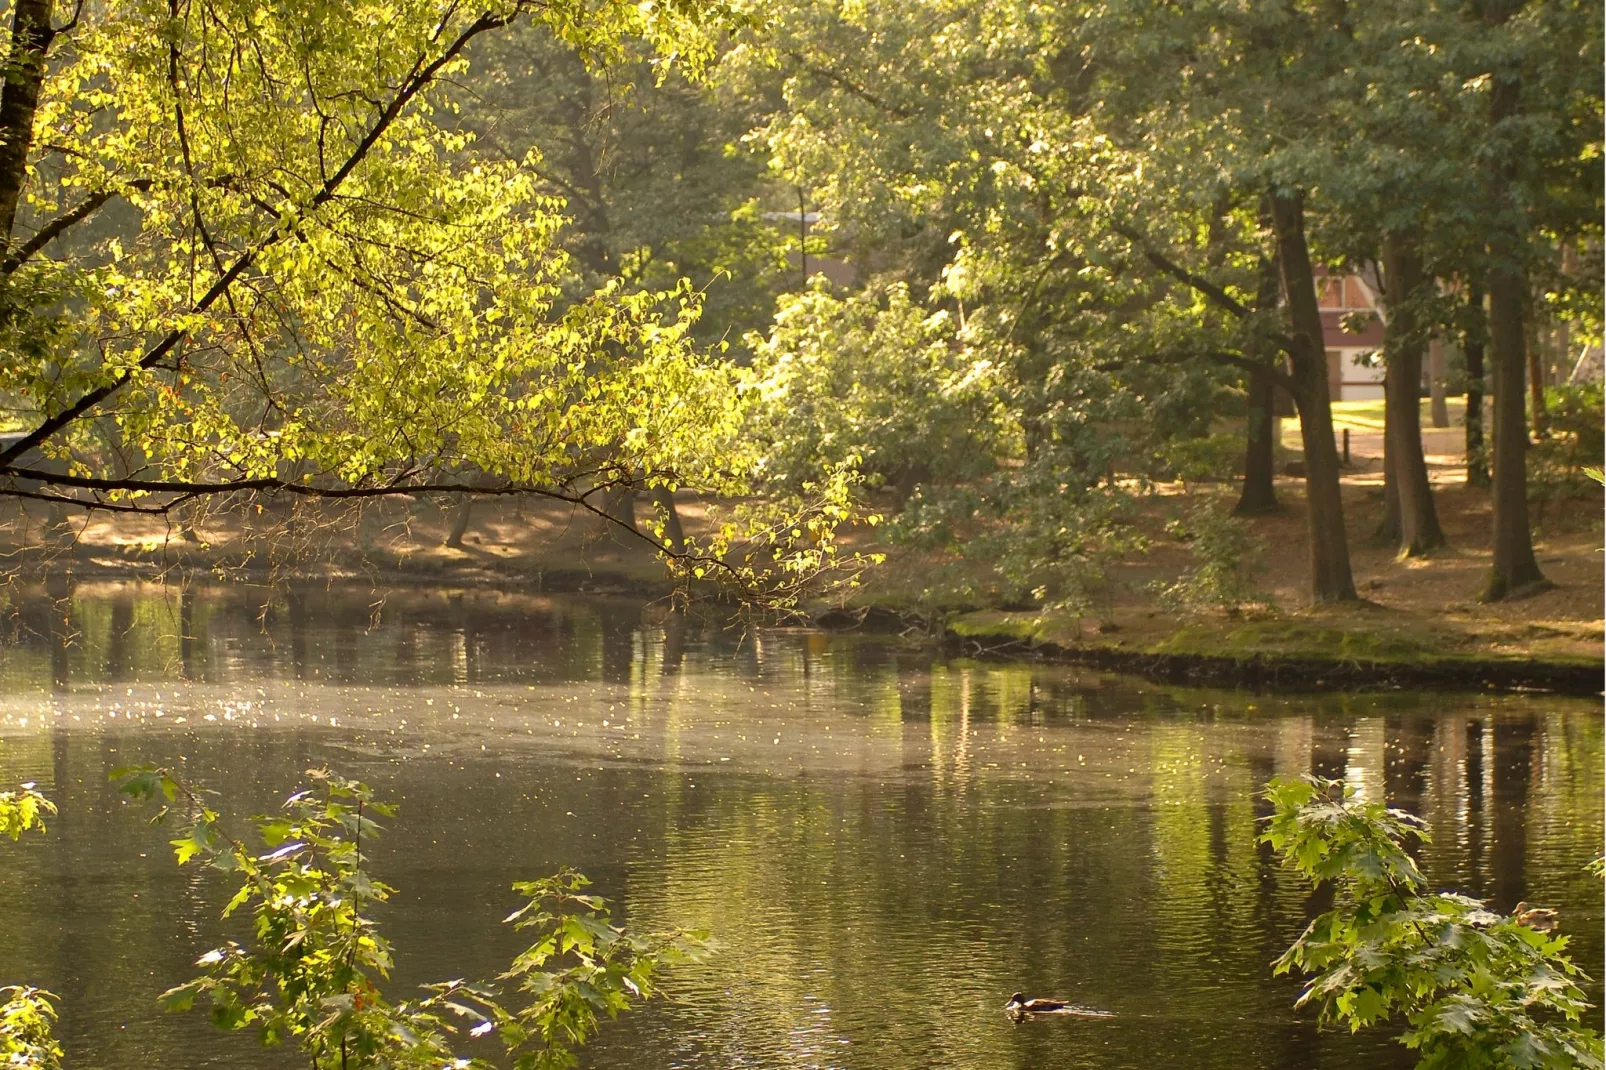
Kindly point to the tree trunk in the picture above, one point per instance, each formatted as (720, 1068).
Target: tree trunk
(1472, 345)
(1513, 568)
(1419, 520)
(674, 534)
(1536, 379)
(1440, 406)
(1260, 435)
(1562, 354)
(1259, 494)
(454, 540)
(1331, 579)
(1388, 529)
(24, 73)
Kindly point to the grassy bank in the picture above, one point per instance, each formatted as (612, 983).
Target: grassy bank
(1337, 649)
(1421, 623)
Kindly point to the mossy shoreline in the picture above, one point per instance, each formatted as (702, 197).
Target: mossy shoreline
(1288, 655)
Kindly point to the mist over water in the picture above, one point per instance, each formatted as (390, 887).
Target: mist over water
(885, 841)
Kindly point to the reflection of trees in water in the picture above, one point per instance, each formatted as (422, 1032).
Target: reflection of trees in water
(1508, 831)
(91, 634)
(924, 840)
(1566, 811)
(1206, 867)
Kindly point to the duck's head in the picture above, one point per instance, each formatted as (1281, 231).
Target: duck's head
(1016, 1000)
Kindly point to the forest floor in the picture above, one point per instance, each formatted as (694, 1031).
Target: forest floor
(1420, 619)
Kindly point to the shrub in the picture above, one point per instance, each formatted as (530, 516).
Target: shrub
(1574, 439)
(1222, 576)
(310, 973)
(27, 1016)
(872, 377)
(1214, 458)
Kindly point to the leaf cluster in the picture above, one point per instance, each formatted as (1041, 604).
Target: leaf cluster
(27, 1020)
(313, 968)
(1476, 988)
(22, 810)
(580, 970)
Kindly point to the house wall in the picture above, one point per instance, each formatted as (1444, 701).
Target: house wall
(1340, 297)
(1354, 380)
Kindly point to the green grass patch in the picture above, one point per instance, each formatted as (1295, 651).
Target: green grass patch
(1388, 643)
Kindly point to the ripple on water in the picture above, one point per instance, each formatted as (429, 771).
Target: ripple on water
(884, 842)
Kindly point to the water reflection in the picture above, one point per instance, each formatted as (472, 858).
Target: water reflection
(886, 842)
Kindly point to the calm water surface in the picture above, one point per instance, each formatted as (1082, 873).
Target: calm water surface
(885, 842)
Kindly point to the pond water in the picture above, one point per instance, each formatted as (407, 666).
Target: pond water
(884, 841)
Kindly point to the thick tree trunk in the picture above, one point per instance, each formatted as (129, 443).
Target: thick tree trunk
(24, 73)
(1419, 520)
(1513, 567)
(1472, 345)
(1419, 530)
(1260, 435)
(1440, 406)
(1331, 578)
(1259, 493)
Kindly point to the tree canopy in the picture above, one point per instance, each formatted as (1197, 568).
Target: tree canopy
(533, 247)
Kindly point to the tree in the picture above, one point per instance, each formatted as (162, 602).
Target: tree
(1409, 289)
(648, 162)
(307, 284)
(1533, 120)
(1245, 105)
(1071, 202)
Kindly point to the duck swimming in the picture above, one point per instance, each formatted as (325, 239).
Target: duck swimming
(1019, 1004)
(1020, 1008)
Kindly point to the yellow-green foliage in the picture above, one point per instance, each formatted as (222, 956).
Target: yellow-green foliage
(304, 271)
(26, 1021)
(22, 810)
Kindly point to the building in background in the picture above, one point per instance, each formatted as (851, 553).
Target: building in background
(1354, 366)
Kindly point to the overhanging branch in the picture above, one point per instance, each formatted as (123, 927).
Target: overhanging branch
(187, 490)
(54, 229)
(1217, 356)
(1210, 289)
(420, 78)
